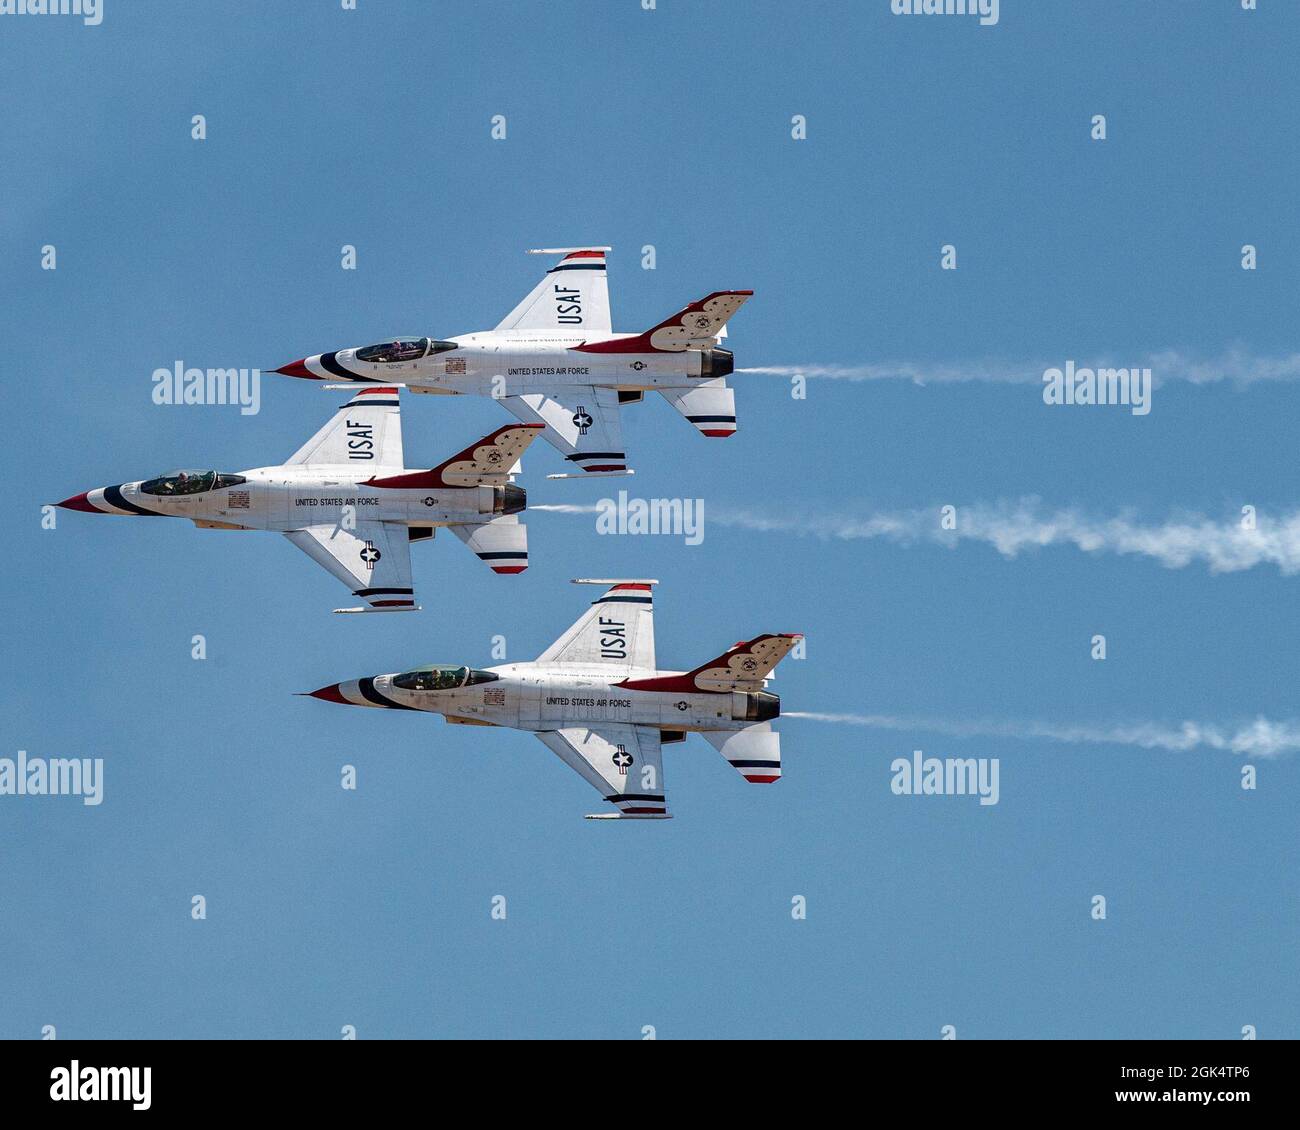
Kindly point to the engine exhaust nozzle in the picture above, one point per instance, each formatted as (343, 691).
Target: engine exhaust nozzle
(717, 362)
(511, 499)
(760, 706)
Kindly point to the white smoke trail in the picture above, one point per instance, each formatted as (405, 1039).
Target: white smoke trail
(1014, 527)
(1260, 738)
(1166, 365)
(917, 373)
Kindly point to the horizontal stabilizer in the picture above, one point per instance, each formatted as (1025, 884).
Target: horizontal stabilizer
(754, 752)
(710, 407)
(502, 544)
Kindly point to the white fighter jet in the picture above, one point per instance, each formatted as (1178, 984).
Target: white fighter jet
(345, 500)
(555, 360)
(596, 698)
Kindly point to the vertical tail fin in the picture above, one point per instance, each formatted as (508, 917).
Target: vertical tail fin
(745, 666)
(488, 462)
(696, 326)
(742, 668)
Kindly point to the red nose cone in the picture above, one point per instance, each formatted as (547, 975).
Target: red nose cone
(297, 369)
(330, 694)
(78, 502)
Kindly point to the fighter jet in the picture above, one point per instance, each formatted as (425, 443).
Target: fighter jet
(596, 699)
(345, 500)
(555, 360)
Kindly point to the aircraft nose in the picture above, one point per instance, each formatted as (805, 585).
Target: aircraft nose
(356, 692)
(297, 369)
(331, 693)
(80, 502)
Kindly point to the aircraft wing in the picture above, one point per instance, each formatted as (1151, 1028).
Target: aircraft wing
(572, 297)
(373, 560)
(618, 630)
(623, 763)
(581, 421)
(365, 432)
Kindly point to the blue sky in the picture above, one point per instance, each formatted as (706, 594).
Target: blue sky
(671, 128)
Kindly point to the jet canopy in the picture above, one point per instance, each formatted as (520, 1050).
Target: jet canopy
(189, 482)
(441, 677)
(402, 349)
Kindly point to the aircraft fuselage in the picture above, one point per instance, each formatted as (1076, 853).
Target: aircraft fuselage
(290, 497)
(535, 696)
(513, 364)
